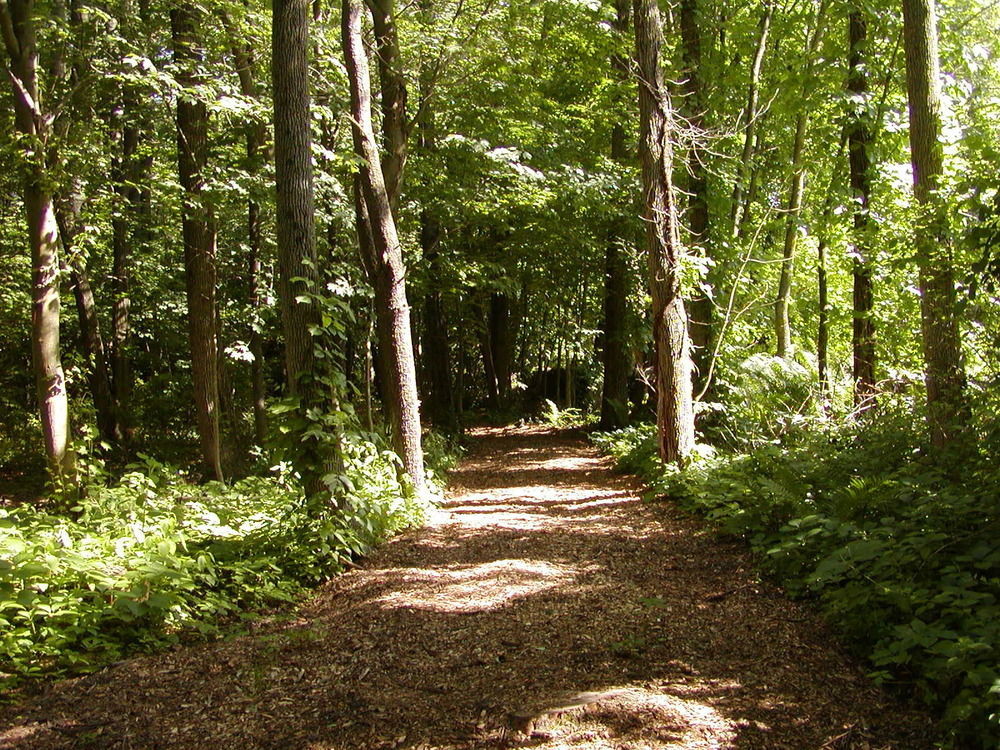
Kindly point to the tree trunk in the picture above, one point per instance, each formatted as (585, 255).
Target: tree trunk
(859, 136)
(91, 341)
(944, 374)
(823, 332)
(128, 172)
(296, 224)
(782, 328)
(675, 412)
(437, 353)
(483, 327)
(386, 260)
(702, 308)
(199, 233)
(614, 343)
(395, 130)
(17, 25)
(501, 341)
(737, 215)
(256, 139)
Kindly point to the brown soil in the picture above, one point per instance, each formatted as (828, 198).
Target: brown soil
(545, 606)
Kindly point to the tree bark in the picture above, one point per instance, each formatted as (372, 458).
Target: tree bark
(823, 331)
(947, 412)
(386, 260)
(91, 341)
(614, 343)
(128, 172)
(437, 352)
(17, 27)
(395, 129)
(702, 309)
(256, 140)
(298, 274)
(793, 207)
(674, 412)
(199, 233)
(859, 136)
(737, 214)
(501, 339)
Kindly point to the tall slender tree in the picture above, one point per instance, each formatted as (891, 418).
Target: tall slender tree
(614, 343)
(859, 135)
(943, 370)
(256, 139)
(33, 123)
(674, 410)
(199, 229)
(702, 307)
(296, 223)
(737, 214)
(796, 190)
(384, 258)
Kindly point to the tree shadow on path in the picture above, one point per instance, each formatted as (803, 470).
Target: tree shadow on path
(545, 606)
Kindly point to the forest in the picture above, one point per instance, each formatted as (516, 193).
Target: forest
(271, 272)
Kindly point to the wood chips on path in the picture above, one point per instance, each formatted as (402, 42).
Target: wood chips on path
(545, 606)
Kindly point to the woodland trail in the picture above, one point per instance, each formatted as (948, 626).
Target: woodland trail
(542, 577)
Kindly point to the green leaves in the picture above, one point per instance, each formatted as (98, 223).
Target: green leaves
(155, 557)
(901, 554)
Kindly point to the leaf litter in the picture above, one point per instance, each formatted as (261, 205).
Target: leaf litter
(544, 606)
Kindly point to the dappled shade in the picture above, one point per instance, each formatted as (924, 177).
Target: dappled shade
(578, 617)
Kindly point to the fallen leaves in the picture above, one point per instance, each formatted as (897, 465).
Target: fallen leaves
(544, 606)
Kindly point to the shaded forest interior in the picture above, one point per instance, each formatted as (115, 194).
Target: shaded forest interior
(265, 264)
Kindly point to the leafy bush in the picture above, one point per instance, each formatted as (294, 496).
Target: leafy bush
(567, 418)
(155, 558)
(766, 398)
(901, 553)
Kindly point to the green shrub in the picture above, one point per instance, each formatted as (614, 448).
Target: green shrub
(901, 553)
(156, 558)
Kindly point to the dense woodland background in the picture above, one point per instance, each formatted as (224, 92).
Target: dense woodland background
(250, 298)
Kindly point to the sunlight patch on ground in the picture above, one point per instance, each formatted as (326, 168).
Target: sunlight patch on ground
(644, 719)
(476, 588)
(536, 495)
(565, 463)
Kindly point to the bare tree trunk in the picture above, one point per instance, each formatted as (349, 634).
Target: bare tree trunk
(91, 341)
(387, 261)
(440, 406)
(501, 339)
(782, 328)
(437, 352)
(944, 374)
(702, 310)
(823, 332)
(737, 214)
(859, 136)
(17, 27)
(675, 411)
(129, 225)
(128, 172)
(614, 349)
(296, 225)
(199, 233)
(256, 139)
(395, 129)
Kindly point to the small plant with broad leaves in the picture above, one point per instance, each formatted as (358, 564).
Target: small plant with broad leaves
(900, 552)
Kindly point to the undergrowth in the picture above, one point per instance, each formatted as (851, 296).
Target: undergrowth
(900, 551)
(155, 558)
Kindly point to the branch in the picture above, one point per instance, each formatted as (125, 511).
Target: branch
(7, 28)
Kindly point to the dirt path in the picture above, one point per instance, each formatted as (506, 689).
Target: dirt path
(542, 584)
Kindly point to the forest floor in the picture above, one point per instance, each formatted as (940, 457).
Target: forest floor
(544, 606)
